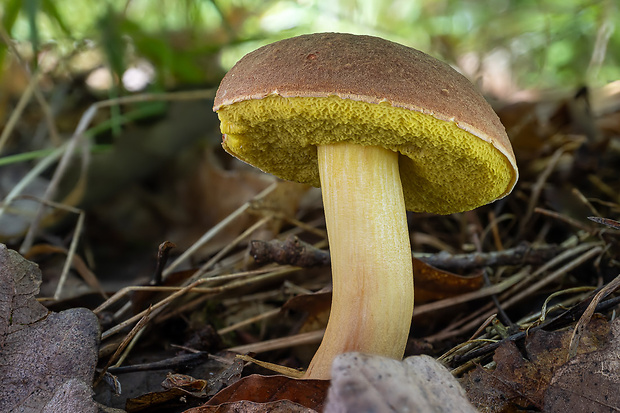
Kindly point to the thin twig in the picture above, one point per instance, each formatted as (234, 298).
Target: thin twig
(312, 337)
(190, 288)
(209, 264)
(30, 176)
(134, 331)
(515, 295)
(251, 320)
(567, 219)
(537, 190)
(74, 241)
(222, 278)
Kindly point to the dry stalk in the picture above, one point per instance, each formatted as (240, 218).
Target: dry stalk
(517, 293)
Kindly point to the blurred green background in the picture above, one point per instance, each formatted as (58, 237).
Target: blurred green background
(504, 45)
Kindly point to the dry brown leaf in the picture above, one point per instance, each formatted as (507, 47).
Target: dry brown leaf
(264, 389)
(378, 384)
(180, 386)
(243, 406)
(433, 284)
(588, 382)
(316, 305)
(520, 381)
(47, 360)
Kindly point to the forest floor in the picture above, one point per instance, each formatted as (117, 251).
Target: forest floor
(185, 258)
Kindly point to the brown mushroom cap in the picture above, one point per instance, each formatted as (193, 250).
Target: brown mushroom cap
(280, 101)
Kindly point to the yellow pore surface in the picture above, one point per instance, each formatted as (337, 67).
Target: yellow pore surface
(443, 168)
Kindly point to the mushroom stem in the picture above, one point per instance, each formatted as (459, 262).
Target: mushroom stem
(372, 273)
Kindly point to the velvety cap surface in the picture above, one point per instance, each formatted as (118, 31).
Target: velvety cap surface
(280, 101)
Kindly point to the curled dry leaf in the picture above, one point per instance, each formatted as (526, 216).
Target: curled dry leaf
(47, 360)
(433, 284)
(379, 384)
(267, 389)
(181, 386)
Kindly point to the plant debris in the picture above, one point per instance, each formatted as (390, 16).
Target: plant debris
(47, 359)
(373, 383)
(542, 376)
(518, 298)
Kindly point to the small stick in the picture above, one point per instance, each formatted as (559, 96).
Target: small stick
(74, 241)
(497, 239)
(291, 251)
(30, 176)
(560, 321)
(511, 298)
(202, 270)
(564, 218)
(134, 331)
(227, 277)
(191, 288)
(585, 201)
(537, 189)
(474, 295)
(141, 314)
(606, 221)
(296, 252)
(168, 364)
(276, 368)
(553, 276)
(163, 252)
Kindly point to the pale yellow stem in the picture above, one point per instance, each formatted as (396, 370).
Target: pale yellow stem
(372, 272)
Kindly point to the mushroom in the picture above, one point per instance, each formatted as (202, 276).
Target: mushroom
(382, 128)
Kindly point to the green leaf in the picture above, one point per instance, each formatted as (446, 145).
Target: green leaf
(49, 8)
(32, 9)
(11, 11)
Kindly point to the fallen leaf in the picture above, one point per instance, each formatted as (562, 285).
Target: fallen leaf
(588, 382)
(316, 306)
(243, 406)
(264, 389)
(433, 284)
(74, 395)
(520, 380)
(47, 359)
(180, 386)
(378, 384)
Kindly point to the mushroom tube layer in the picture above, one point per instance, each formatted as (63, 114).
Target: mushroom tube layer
(444, 169)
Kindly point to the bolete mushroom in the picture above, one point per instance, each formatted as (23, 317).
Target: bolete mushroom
(381, 128)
